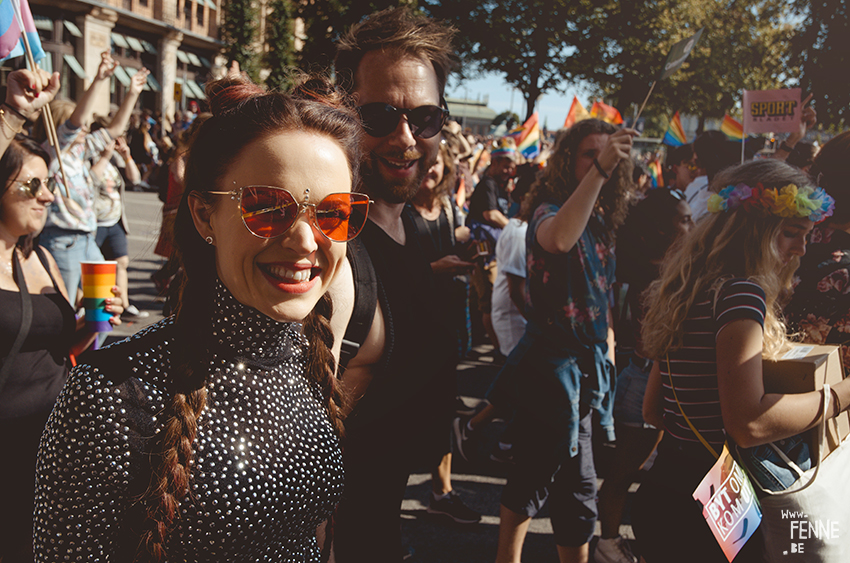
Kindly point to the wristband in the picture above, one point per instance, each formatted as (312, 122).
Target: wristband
(786, 147)
(601, 171)
(13, 110)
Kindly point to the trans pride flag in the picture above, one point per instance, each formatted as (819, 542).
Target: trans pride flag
(11, 43)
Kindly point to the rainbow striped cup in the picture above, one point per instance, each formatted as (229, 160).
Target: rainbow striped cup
(98, 280)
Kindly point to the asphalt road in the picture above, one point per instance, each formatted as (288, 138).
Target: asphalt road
(429, 539)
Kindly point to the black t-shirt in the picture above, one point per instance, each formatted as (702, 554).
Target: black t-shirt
(488, 195)
(411, 391)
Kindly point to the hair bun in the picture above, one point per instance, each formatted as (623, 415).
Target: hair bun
(317, 88)
(228, 93)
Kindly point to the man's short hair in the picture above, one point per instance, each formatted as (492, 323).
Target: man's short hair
(678, 155)
(400, 30)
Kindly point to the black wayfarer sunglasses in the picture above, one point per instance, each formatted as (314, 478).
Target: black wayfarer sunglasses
(380, 119)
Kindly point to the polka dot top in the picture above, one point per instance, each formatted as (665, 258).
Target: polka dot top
(267, 467)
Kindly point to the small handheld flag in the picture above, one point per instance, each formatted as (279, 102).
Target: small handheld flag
(675, 135)
(528, 143)
(608, 114)
(675, 59)
(11, 42)
(577, 113)
(678, 54)
(731, 128)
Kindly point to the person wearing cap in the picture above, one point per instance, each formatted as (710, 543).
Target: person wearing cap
(488, 215)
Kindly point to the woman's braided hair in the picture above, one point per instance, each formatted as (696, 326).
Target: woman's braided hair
(242, 113)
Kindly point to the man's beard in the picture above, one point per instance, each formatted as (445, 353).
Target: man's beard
(393, 190)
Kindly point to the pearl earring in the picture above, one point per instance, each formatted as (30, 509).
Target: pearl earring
(209, 240)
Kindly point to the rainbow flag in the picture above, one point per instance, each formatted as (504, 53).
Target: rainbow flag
(527, 137)
(11, 43)
(606, 113)
(675, 135)
(655, 172)
(731, 128)
(577, 113)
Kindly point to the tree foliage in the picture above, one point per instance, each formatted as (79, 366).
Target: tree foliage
(239, 34)
(325, 20)
(509, 118)
(822, 50)
(528, 42)
(280, 57)
(744, 45)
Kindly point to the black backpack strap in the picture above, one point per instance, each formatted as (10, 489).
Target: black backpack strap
(26, 319)
(365, 301)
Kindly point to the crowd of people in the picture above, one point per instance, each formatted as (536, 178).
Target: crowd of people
(331, 254)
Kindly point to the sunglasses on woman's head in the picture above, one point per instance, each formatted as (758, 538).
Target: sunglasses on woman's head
(380, 119)
(33, 186)
(269, 212)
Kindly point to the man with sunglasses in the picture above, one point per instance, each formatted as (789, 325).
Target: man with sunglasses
(395, 65)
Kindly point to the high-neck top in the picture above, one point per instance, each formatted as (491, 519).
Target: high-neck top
(266, 471)
(243, 331)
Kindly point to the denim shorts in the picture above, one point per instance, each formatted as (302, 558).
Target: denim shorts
(112, 241)
(544, 471)
(69, 248)
(628, 402)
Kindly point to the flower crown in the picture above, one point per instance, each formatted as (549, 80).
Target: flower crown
(790, 201)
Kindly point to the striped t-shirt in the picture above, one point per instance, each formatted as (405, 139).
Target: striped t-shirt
(694, 365)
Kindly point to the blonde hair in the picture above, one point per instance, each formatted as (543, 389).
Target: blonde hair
(722, 246)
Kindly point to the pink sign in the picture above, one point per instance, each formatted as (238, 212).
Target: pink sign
(772, 111)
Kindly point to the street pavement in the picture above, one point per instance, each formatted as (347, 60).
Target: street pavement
(427, 538)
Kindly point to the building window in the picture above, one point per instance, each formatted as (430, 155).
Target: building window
(187, 12)
(199, 14)
(128, 4)
(143, 3)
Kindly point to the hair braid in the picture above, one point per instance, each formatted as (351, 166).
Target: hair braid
(171, 455)
(321, 365)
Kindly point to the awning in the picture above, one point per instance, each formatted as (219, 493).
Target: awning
(132, 72)
(187, 91)
(211, 5)
(205, 62)
(43, 22)
(199, 90)
(72, 28)
(193, 58)
(135, 44)
(149, 47)
(75, 65)
(154, 83)
(119, 40)
(122, 76)
(182, 57)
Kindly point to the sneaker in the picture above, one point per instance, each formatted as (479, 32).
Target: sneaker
(614, 550)
(462, 435)
(454, 508)
(462, 409)
(502, 456)
(132, 313)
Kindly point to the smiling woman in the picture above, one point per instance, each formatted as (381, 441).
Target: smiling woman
(38, 331)
(227, 415)
(712, 316)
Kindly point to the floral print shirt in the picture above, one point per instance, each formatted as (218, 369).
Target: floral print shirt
(570, 292)
(820, 307)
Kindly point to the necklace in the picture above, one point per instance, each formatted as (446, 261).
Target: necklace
(8, 266)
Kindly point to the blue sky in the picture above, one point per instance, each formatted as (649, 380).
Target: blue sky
(552, 107)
